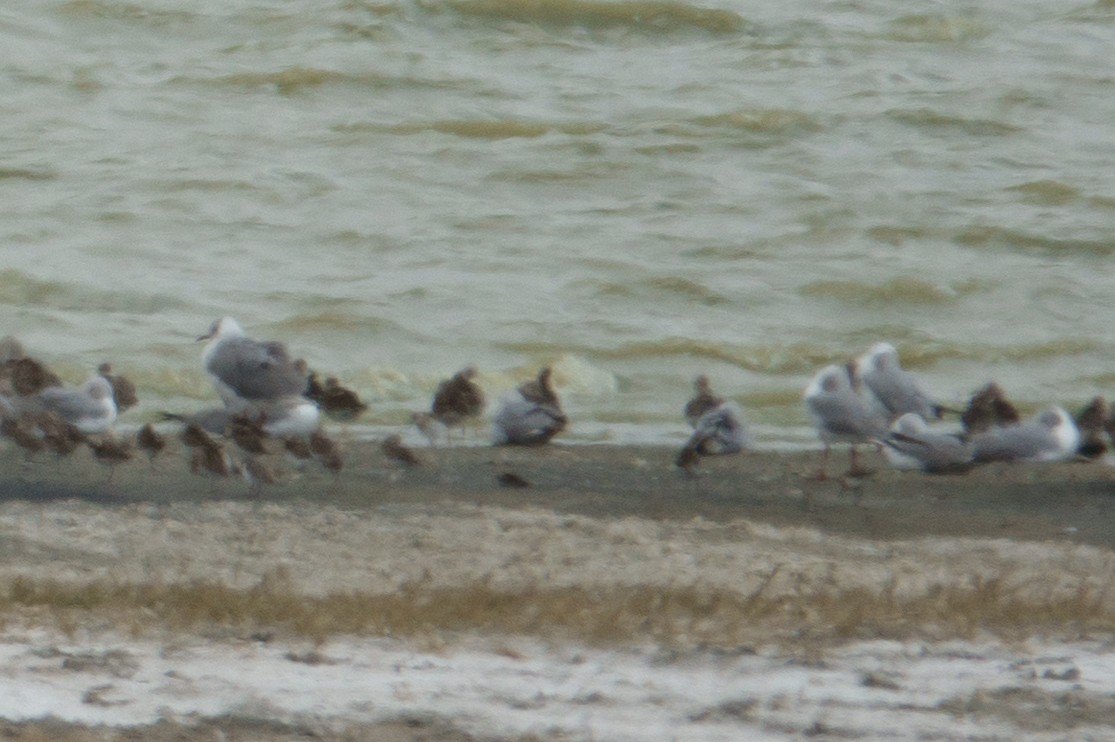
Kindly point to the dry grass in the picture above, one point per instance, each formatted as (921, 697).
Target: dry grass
(671, 616)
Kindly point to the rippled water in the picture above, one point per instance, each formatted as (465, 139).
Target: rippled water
(634, 191)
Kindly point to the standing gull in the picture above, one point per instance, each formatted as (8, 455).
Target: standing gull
(896, 389)
(246, 372)
(840, 413)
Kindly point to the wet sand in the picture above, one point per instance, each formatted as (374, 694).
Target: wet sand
(1068, 501)
(603, 524)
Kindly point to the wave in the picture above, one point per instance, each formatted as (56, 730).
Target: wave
(987, 236)
(928, 119)
(637, 15)
(897, 291)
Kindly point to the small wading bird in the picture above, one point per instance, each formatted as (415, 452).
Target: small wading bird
(336, 401)
(123, 390)
(457, 400)
(703, 400)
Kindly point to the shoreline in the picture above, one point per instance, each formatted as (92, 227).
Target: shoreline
(1065, 501)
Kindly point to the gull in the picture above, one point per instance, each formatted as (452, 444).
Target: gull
(520, 421)
(247, 372)
(840, 413)
(1051, 435)
(90, 408)
(720, 430)
(896, 389)
(912, 444)
(703, 400)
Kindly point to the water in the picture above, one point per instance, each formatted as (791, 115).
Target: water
(635, 192)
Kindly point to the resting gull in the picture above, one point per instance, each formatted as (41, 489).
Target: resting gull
(912, 444)
(89, 408)
(1051, 435)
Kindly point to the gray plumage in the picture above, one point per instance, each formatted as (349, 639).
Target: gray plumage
(1051, 435)
(896, 390)
(246, 370)
(912, 444)
(523, 422)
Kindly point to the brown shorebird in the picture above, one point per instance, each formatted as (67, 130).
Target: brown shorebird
(457, 400)
(1091, 421)
(23, 434)
(336, 401)
(512, 480)
(247, 434)
(195, 436)
(393, 448)
(111, 452)
(61, 437)
(989, 408)
(256, 474)
(703, 400)
(150, 440)
(211, 459)
(325, 451)
(123, 390)
(31, 377)
(541, 389)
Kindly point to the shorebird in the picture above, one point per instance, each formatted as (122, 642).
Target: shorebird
(325, 451)
(110, 452)
(123, 390)
(246, 372)
(150, 440)
(246, 433)
(840, 413)
(911, 444)
(393, 448)
(336, 401)
(1051, 435)
(703, 400)
(988, 408)
(457, 400)
(1092, 421)
(540, 390)
(30, 377)
(895, 389)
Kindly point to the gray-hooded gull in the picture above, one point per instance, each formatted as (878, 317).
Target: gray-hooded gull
(842, 414)
(1051, 435)
(912, 444)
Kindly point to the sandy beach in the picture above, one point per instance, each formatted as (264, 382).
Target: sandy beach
(121, 596)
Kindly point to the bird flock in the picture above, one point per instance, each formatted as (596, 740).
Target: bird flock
(271, 406)
(270, 403)
(871, 399)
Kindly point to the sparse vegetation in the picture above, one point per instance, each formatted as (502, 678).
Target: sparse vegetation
(678, 616)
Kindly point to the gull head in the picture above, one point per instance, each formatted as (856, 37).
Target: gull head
(222, 328)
